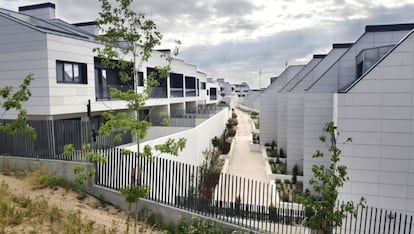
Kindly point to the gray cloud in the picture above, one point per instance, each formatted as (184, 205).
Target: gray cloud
(240, 24)
(269, 53)
(228, 8)
(204, 23)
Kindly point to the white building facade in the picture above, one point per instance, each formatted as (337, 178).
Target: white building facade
(366, 89)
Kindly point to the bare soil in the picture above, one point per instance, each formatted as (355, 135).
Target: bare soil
(103, 216)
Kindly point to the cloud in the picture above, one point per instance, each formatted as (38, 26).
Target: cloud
(240, 60)
(229, 8)
(236, 38)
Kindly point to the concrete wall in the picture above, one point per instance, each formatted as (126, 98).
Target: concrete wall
(55, 167)
(378, 114)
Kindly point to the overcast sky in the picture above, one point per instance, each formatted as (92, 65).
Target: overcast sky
(236, 39)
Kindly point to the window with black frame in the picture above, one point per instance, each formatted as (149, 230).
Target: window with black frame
(160, 90)
(107, 78)
(190, 86)
(71, 72)
(176, 85)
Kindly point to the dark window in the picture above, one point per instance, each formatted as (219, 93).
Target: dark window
(70, 72)
(106, 78)
(140, 79)
(213, 94)
(190, 86)
(203, 85)
(160, 90)
(198, 87)
(176, 85)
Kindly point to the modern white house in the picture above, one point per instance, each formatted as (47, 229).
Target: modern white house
(377, 111)
(269, 105)
(252, 100)
(366, 89)
(70, 82)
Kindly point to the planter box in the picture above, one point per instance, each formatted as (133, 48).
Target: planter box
(284, 177)
(255, 147)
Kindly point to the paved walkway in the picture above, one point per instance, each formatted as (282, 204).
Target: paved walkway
(243, 162)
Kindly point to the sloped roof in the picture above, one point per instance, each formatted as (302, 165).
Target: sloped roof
(54, 26)
(356, 81)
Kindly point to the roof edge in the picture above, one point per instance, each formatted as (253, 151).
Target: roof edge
(342, 45)
(389, 27)
(37, 6)
(81, 24)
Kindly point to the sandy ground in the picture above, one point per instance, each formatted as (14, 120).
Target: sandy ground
(90, 207)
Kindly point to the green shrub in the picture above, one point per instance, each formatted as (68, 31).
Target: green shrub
(282, 153)
(54, 181)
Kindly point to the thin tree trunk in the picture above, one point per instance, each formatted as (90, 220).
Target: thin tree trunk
(129, 213)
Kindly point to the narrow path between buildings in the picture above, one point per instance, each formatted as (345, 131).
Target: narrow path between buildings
(243, 162)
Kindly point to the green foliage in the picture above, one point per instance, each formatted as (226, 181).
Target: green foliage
(82, 174)
(133, 193)
(54, 181)
(129, 39)
(295, 172)
(172, 146)
(210, 173)
(282, 153)
(273, 146)
(278, 167)
(10, 100)
(323, 213)
(216, 142)
(196, 226)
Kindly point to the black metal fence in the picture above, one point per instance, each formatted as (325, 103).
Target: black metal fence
(52, 135)
(241, 201)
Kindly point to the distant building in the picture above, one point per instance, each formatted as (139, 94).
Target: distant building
(366, 89)
(72, 85)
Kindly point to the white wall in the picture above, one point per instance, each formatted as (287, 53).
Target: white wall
(23, 51)
(296, 96)
(295, 115)
(378, 113)
(281, 99)
(319, 105)
(318, 110)
(198, 139)
(268, 105)
(344, 70)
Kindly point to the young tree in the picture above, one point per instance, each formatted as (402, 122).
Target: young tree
(129, 39)
(13, 100)
(322, 210)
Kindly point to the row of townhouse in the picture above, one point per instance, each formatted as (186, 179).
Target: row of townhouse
(367, 89)
(70, 83)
